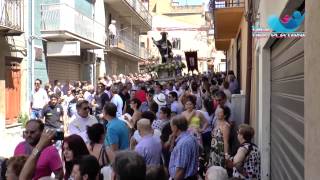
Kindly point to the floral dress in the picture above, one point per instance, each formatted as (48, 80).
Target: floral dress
(217, 149)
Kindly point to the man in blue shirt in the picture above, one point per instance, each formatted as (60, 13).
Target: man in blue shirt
(184, 157)
(117, 136)
(149, 146)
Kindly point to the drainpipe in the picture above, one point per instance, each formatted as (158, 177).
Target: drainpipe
(249, 63)
(30, 47)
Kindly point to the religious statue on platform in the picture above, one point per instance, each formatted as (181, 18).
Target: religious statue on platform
(165, 47)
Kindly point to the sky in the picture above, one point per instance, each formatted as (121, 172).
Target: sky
(190, 2)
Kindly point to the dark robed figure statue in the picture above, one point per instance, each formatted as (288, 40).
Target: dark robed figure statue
(165, 47)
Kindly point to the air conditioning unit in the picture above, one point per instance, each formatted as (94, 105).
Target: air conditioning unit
(88, 57)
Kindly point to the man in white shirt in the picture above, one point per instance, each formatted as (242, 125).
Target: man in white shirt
(116, 99)
(38, 100)
(89, 94)
(80, 121)
(112, 32)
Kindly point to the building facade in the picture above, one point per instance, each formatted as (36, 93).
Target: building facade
(70, 34)
(124, 52)
(13, 61)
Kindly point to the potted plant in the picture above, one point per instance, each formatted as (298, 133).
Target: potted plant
(23, 119)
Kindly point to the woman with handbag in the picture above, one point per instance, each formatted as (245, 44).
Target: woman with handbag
(246, 163)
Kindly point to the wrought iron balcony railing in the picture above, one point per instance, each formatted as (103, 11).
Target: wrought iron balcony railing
(141, 10)
(11, 16)
(128, 45)
(218, 4)
(61, 17)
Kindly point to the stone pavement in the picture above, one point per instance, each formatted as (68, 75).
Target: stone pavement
(9, 138)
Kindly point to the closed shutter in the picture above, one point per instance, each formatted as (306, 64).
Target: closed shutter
(63, 69)
(287, 109)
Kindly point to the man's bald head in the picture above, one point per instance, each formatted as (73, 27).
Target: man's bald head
(144, 126)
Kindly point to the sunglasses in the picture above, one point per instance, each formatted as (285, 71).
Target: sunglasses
(29, 132)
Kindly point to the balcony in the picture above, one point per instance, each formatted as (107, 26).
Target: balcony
(11, 17)
(227, 17)
(126, 47)
(133, 11)
(60, 22)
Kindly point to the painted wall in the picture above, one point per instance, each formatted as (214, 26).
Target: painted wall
(260, 97)
(120, 65)
(100, 17)
(312, 93)
(218, 56)
(160, 6)
(195, 19)
(232, 53)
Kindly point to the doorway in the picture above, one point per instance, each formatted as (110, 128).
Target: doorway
(13, 89)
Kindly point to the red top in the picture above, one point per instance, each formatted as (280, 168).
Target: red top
(141, 95)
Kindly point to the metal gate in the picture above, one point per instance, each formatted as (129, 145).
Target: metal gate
(287, 109)
(63, 69)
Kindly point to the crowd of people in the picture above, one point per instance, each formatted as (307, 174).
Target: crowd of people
(135, 128)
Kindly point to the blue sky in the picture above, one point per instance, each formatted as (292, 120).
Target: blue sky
(190, 2)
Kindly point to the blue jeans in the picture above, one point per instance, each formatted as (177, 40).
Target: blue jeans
(36, 113)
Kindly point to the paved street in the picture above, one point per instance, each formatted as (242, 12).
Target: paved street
(9, 140)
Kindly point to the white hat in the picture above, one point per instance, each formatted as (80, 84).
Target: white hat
(160, 99)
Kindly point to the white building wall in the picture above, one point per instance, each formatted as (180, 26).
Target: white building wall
(99, 11)
(266, 8)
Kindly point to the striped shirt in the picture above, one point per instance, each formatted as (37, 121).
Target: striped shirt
(184, 155)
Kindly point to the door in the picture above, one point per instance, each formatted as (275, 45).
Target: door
(13, 86)
(287, 109)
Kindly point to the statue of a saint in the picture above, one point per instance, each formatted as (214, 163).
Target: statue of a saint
(165, 47)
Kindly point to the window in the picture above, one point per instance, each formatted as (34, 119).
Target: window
(142, 44)
(176, 43)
